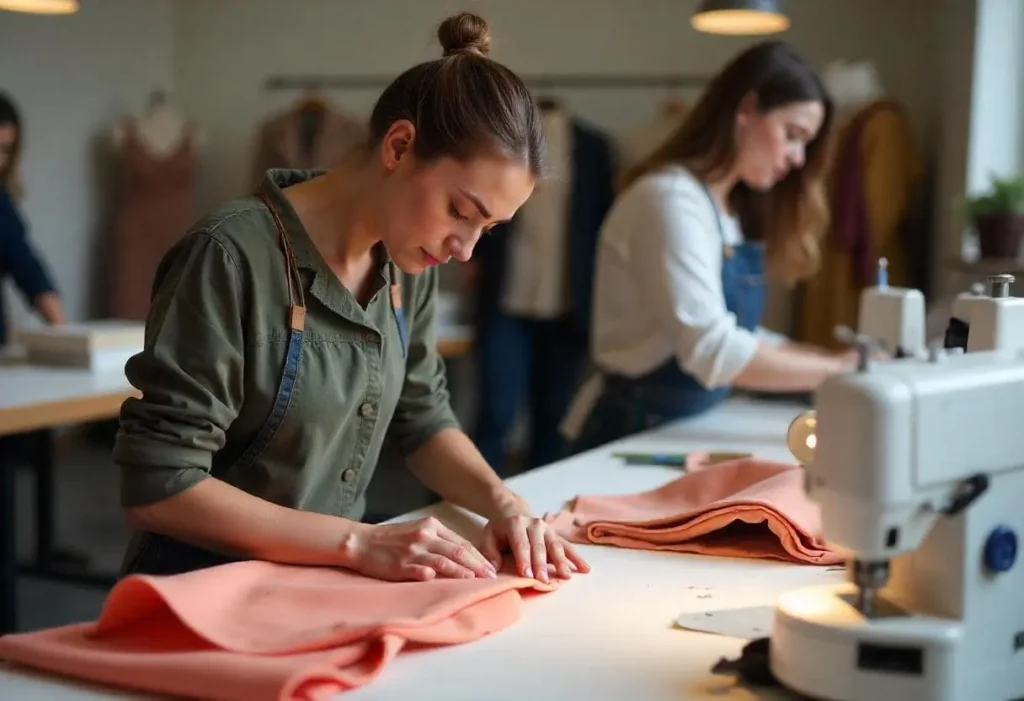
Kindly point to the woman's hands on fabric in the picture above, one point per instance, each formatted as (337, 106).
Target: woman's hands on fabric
(534, 546)
(415, 550)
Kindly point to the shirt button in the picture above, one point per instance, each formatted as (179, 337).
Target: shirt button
(348, 475)
(366, 410)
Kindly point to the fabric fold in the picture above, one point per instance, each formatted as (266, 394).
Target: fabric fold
(256, 630)
(750, 508)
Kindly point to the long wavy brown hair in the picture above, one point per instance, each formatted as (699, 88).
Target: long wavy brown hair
(9, 179)
(791, 217)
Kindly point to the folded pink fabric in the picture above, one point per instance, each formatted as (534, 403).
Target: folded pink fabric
(746, 507)
(255, 630)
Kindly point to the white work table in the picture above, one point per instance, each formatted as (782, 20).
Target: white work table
(605, 635)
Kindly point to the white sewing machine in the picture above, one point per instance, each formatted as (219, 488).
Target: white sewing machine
(893, 316)
(918, 466)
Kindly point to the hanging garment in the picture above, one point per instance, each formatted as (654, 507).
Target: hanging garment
(750, 507)
(536, 274)
(155, 210)
(259, 631)
(589, 199)
(533, 329)
(872, 186)
(305, 138)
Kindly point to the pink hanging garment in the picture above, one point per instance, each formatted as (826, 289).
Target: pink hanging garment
(256, 630)
(748, 507)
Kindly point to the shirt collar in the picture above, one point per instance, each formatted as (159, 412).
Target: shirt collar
(306, 254)
(321, 282)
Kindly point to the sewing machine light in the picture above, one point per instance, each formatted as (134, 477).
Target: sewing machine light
(802, 437)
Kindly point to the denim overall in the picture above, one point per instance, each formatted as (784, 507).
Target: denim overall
(160, 554)
(629, 405)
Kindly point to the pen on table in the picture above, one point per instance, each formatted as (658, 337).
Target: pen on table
(670, 459)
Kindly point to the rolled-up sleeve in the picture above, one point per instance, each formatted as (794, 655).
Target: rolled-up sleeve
(189, 374)
(677, 263)
(424, 407)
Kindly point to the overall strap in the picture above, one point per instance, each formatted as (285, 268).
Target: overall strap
(296, 297)
(290, 372)
(396, 306)
(726, 248)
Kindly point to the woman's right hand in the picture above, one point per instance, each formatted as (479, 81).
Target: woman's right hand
(415, 550)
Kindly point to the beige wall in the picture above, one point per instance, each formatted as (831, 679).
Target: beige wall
(956, 38)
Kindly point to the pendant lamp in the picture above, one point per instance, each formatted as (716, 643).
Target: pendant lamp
(41, 7)
(740, 17)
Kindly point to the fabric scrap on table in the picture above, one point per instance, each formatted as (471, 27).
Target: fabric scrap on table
(749, 508)
(253, 630)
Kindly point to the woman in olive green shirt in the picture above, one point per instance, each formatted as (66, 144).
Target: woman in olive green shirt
(291, 330)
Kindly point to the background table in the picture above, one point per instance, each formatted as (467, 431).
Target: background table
(605, 635)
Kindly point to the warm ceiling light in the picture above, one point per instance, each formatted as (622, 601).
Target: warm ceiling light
(41, 7)
(740, 17)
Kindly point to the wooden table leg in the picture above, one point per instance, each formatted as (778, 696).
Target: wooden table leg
(8, 548)
(46, 494)
(52, 562)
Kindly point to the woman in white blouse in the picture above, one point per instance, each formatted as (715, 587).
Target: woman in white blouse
(734, 194)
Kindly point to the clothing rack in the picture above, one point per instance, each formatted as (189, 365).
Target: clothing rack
(542, 81)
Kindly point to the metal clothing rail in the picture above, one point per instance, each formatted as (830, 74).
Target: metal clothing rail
(544, 81)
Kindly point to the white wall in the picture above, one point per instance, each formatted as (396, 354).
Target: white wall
(72, 77)
(957, 22)
(996, 135)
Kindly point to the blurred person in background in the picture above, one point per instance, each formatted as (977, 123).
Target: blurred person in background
(18, 260)
(735, 193)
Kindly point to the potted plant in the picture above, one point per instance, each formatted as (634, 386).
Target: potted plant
(998, 218)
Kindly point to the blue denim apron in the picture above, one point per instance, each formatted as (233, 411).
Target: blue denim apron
(160, 554)
(629, 405)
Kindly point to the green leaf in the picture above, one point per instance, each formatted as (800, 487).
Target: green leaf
(1005, 196)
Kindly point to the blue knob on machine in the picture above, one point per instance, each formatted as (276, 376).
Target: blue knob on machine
(1001, 549)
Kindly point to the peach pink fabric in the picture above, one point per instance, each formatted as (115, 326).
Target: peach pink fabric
(746, 507)
(255, 630)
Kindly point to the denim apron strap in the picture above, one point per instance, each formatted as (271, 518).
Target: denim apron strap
(727, 251)
(396, 307)
(296, 328)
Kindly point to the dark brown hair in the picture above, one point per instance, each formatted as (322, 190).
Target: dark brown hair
(463, 103)
(9, 179)
(793, 215)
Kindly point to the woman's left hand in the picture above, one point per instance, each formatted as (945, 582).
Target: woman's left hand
(534, 546)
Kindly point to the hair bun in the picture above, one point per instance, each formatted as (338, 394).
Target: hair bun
(464, 33)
